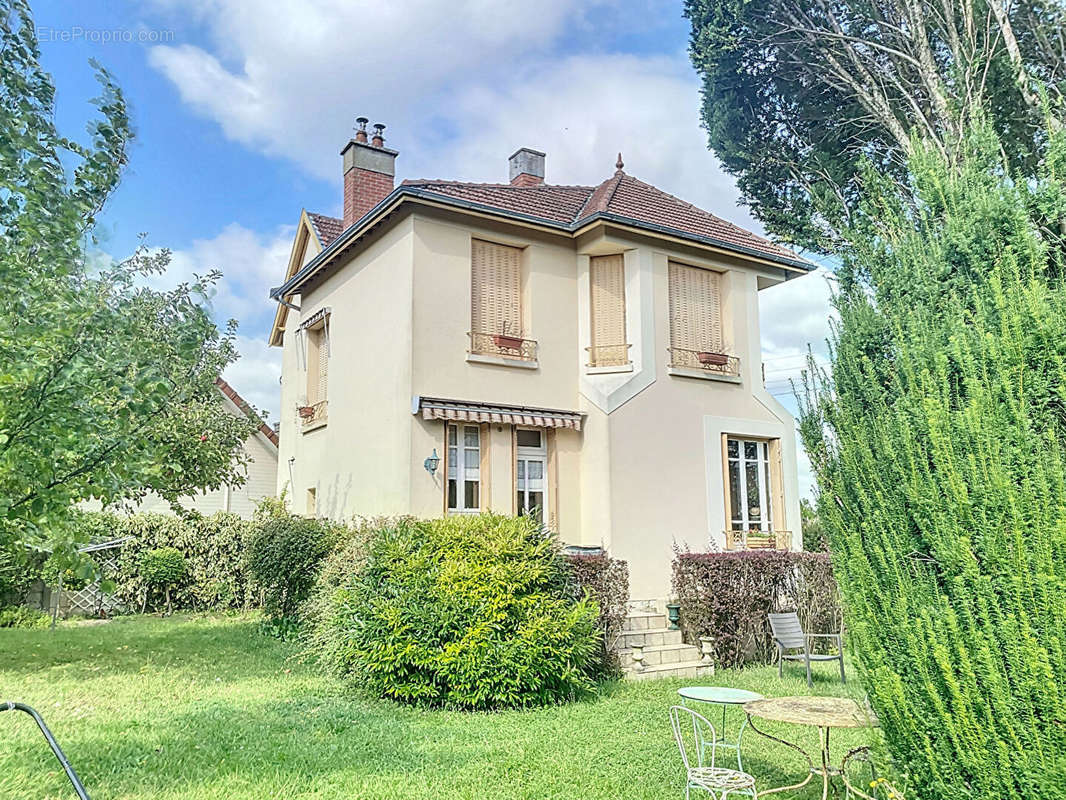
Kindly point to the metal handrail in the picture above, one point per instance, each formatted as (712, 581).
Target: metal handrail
(56, 749)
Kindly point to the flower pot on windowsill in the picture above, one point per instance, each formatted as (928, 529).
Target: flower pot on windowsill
(505, 342)
(713, 359)
(306, 412)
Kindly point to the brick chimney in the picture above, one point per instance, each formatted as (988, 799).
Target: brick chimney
(369, 171)
(527, 167)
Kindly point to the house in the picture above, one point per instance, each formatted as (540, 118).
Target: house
(589, 354)
(261, 471)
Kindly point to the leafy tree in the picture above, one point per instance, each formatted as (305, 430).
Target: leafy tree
(938, 443)
(106, 387)
(796, 94)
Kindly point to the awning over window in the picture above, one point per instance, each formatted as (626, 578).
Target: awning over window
(439, 408)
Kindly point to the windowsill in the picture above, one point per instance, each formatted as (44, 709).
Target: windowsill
(703, 375)
(502, 361)
(609, 370)
(314, 426)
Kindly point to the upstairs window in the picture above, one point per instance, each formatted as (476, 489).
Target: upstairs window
(696, 338)
(316, 333)
(607, 307)
(496, 301)
(464, 469)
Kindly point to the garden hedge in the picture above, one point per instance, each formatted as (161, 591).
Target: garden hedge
(605, 580)
(726, 597)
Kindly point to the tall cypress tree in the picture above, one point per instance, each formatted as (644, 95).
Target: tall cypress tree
(938, 442)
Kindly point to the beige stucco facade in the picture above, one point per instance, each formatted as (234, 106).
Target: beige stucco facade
(645, 471)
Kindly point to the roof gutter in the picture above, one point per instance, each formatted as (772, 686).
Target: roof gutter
(400, 193)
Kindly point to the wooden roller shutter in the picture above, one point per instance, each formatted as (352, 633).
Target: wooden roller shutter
(323, 363)
(496, 288)
(695, 309)
(607, 304)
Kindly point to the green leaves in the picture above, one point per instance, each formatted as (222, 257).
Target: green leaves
(938, 441)
(106, 387)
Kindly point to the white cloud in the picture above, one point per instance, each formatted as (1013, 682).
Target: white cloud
(458, 97)
(250, 263)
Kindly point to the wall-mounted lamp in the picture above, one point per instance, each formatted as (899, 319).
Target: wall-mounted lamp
(432, 463)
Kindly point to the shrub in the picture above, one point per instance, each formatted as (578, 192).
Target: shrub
(20, 568)
(605, 580)
(163, 568)
(284, 556)
(214, 553)
(23, 617)
(468, 612)
(726, 596)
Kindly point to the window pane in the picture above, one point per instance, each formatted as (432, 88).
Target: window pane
(734, 490)
(751, 450)
(536, 470)
(521, 469)
(451, 435)
(521, 502)
(453, 459)
(768, 512)
(471, 459)
(528, 438)
(470, 497)
(733, 448)
(451, 493)
(751, 476)
(470, 436)
(536, 500)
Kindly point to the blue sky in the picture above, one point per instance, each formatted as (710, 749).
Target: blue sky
(241, 107)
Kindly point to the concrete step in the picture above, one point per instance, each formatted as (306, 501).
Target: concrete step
(637, 621)
(650, 637)
(682, 669)
(662, 654)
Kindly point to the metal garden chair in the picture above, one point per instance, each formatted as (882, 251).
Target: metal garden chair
(788, 635)
(716, 781)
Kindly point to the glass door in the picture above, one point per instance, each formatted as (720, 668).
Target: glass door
(531, 470)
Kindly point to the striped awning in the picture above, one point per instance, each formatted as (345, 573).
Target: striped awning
(465, 411)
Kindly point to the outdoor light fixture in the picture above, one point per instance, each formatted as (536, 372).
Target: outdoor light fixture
(432, 463)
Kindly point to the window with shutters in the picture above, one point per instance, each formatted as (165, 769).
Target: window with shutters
(696, 336)
(496, 302)
(607, 309)
(753, 494)
(313, 412)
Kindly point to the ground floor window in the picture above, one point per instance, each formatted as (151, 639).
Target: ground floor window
(464, 469)
(750, 491)
(531, 471)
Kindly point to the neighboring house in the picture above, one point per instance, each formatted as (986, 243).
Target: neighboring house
(590, 353)
(261, 471)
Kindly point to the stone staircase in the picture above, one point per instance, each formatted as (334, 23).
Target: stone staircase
(648, 648)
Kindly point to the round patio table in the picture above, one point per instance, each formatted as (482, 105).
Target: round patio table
(725, 697)
(821, 712)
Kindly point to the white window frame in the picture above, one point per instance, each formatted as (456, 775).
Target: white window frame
(457, 469)
(523, 457)
(765, 489)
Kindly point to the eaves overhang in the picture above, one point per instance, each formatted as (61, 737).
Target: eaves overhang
(403, 194)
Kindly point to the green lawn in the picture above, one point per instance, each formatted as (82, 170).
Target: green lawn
(205, 707)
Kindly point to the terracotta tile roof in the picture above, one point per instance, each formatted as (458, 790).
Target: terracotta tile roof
(326, 228)
(555, 203)
(620, 195)
(242, 404)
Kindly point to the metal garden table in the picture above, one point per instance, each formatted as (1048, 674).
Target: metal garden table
(725, 697)
(823, 713)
